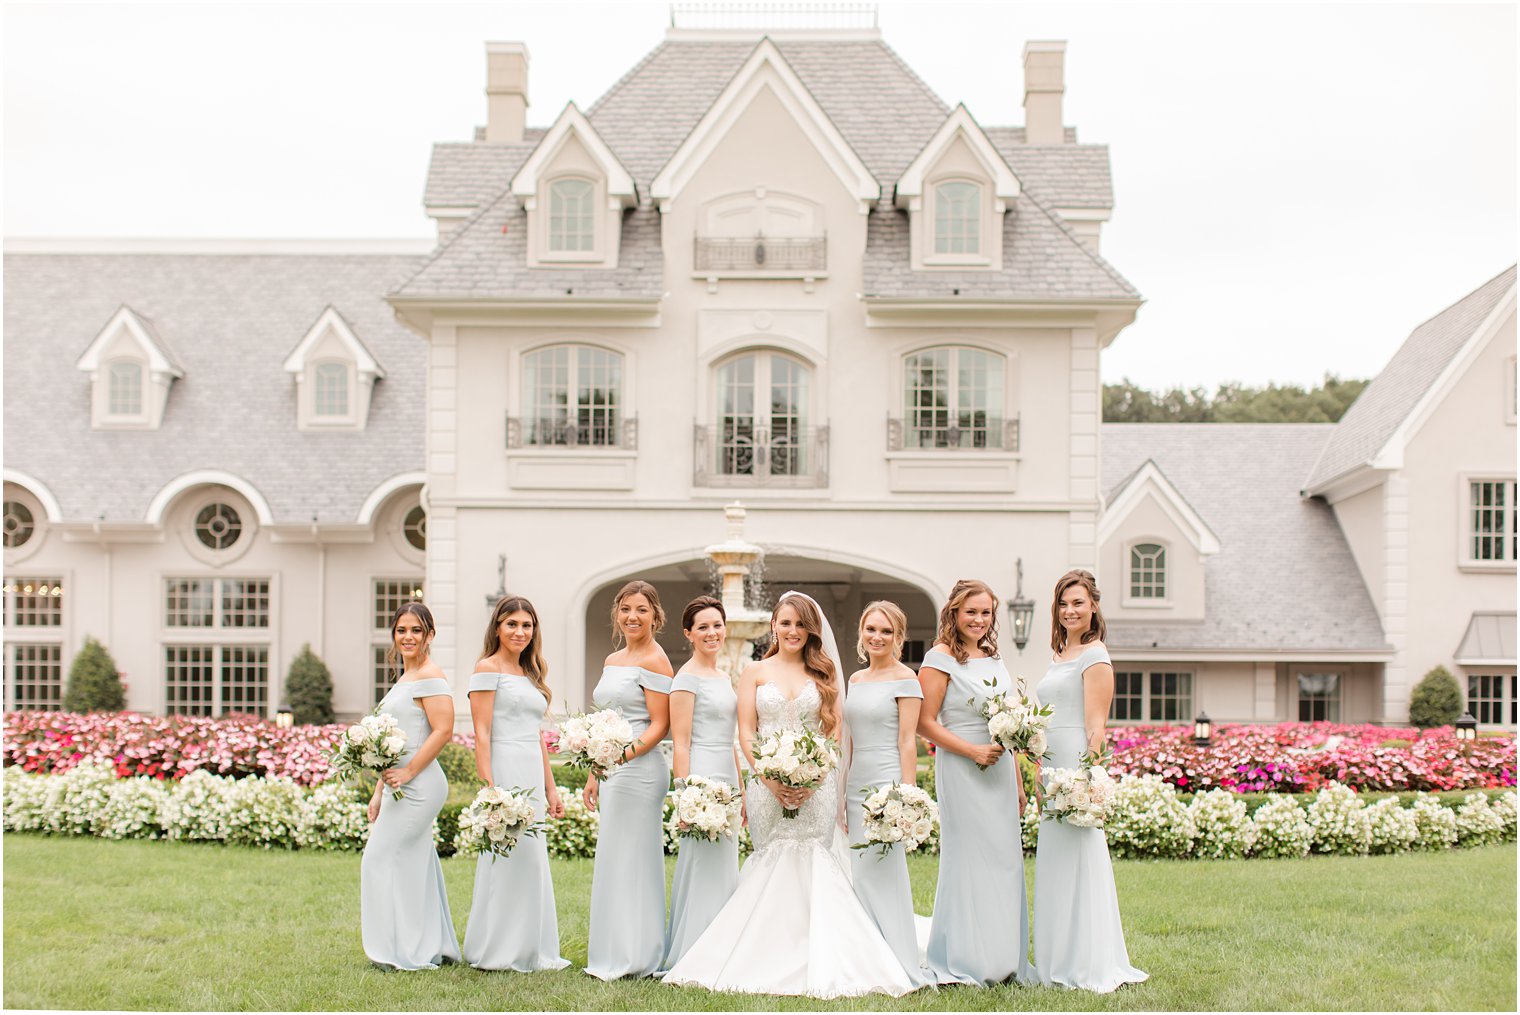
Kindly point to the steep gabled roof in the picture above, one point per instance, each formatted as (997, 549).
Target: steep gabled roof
(161, 358)
(1378, 419)
(1149, 478)
(572, 123)
(960, 124)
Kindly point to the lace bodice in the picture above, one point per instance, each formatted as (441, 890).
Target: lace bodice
(815, 822)
(776, 711)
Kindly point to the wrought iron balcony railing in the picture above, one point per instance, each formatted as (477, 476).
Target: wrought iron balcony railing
(932, 429)
(603, 432)
(730, 454)
(762, 253)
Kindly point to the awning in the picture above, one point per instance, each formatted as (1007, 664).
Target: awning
(1489, 641)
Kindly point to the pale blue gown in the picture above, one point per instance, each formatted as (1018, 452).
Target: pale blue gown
(980, 932)
(706, 872)
(403, 908)
(1078, 939)
(513, 924)
(881, 882)
(627, 930)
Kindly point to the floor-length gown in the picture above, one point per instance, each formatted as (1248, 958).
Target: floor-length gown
(706, 872)
(1078, 939)
(513, 924)
(403, 907)
(881, 881)
(793, 925)
(980, 932)
(626, 936)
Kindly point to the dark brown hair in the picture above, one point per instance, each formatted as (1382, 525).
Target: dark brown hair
(532, 658)
(949, 633)
(1096, 630)
(814, 659)
(696, 606)
(422, 613)
(636, 587)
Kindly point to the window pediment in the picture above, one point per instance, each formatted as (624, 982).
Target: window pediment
(335, 374)
(956, 192)
(131, 369)
(574, 190)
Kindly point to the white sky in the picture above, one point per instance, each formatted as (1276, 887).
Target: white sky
(1297, 186)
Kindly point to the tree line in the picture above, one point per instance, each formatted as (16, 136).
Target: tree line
(1127, 402)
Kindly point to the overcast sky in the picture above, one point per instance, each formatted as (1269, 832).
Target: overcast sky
(1297, 186)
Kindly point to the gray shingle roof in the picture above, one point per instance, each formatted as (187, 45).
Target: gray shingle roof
(231, 320)
(465, 175)
(1284, 578)
(1063, 176)
(1387, 401)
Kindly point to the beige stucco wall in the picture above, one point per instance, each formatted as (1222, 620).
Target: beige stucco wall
(1361, 520)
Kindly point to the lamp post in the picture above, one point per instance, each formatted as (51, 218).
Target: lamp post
(492, 598)
(1202, 728)
(1467, 729)
(284, 718)
(1021, 611)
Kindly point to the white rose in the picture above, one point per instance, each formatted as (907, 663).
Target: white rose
(394, 745)
(357, 734)
(921, 829)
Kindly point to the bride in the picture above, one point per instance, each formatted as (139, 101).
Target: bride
(793, 924)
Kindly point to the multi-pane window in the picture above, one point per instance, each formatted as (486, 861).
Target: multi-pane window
(1491, 698)
(1319, 697)
(571, 395)
(382, 673)
(954, 399)
(34, 602)
(572, 222)
(34, 661)
(218, 526)
(216, 602)
(34, 676)
(1492, 520)
(1154, 697)
(124, 389)
(763, 416)
(216, 679)
(330, 397)
(1147, 571)
(957, 218)
(387, 595)
(19, 524)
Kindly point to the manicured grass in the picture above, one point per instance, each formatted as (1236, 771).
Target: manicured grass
(155, 925)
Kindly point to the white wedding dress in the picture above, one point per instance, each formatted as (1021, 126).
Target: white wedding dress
(793, 924)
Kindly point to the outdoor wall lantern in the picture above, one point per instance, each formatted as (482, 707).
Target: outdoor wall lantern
(1202, 727)
(284, 717)
(1021, 612)
(1467, 728)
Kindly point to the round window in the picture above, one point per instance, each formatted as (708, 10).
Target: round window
(218, 526)
(414, 527)
(18, 523)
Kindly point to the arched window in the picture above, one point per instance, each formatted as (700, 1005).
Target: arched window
(957, 218)
(330, 389)
(955, 398)
(572, 223)
(1147, 571)
(124, 391)
(762, 407)
(572, 396)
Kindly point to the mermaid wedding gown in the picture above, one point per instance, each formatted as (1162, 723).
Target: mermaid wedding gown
(793, 924)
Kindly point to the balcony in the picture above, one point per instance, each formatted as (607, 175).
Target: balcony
(761, 255)
(935, 430)
(741, 455)
(602, 434)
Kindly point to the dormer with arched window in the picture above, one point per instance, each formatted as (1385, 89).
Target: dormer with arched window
(574, 191)
(335, 374)
(957, 192)
(130, 368)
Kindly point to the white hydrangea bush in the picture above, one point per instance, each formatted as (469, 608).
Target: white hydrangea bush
(1504, 809)
(1435, 825)
(573, 835)
(1391, 828)
(134, 810)
(332, 817)
(77, 797)
(1338, 817)
(1224, 826)
(265, 812)
(1030, 826)
(1282, 829)
(200, 808)
(1477, 823)
(25, 801)
(1149, 820)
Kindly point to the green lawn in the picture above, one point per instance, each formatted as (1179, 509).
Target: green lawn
(155, 925)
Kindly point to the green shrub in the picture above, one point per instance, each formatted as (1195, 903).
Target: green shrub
(458, 764)
(309, 689)
(1436, 700)
(1398, 743)
(447, 827)
(569, 778)
(94, 685)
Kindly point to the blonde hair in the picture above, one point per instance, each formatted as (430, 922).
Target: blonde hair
(814, 659)
(949, 633)
(895, 617)
(1096, 629)
(641, 588)
(532, 658)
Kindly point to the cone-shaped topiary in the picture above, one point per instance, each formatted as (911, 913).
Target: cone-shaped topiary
(94, 685)
(308, 688)
(1436, 699)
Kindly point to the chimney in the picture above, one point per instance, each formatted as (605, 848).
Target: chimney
(506, 90)
(1044, 84)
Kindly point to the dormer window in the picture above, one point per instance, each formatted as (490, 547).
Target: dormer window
(335, 375)
(124, 389)
(574, 191)
(131, 368)
(957, 218)
(957, 192)
(572, 216)
(330, 390)
(1147, 572)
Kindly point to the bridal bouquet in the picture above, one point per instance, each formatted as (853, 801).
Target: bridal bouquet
(707, 809)
(495, 820)
(898, 813)
(373, 743)
(1019, 728)
(595, 740)
(1082, 796)
(801, 759)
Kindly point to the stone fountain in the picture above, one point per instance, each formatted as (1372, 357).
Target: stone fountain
(734, 557)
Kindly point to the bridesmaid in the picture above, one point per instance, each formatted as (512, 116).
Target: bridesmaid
(1078, 939)
(881, 711)
(513, 924)
(703, 716)
(403, 907)
(627, 931)
(980, 932)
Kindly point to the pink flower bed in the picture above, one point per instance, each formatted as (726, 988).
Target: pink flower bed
(1293, 758)
(173, 747)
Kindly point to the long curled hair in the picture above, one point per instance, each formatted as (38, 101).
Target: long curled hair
(393, 658)
(636, 587)
(532, 658)
(814, 659)
(950, 633)
(1096, 629)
